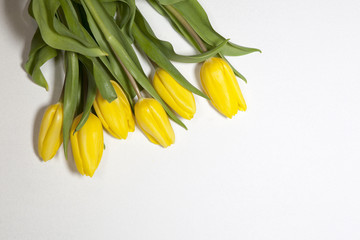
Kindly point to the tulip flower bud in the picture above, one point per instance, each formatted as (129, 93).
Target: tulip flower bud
(220, 84)
(153, 121)
(50, 135)
(175, 95)
(87, 144)
(116, 117)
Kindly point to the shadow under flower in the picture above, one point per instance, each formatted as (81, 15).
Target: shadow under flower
(23, 27)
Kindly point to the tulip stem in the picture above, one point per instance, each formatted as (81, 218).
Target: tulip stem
(132, 81)
(128, 74)
(187, 26)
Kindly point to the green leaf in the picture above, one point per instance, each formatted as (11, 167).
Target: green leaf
(100, 76)
(110, 61)
(176, 24)
(121, 48)
(195, 15)
(108, 27)
(39, 54)
(167, 47)
(155, 4)
(168, 2)
(71, 99)
(45, 15)
(126, 15)
(102, 80)
(91, 92)
(156, 55)
(110, 8)
(30, 9)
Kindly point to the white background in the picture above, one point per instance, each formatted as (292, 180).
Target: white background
(288, 168)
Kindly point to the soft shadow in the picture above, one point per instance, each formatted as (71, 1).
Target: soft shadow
(20, 22)
(55, 91)
(23, 27)
(71, 162)
(36, 129)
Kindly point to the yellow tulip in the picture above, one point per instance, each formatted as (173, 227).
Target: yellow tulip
(116, 117)
(87, 144)
(220, 84)
(175, 95)
(153, 121)
(50, 135)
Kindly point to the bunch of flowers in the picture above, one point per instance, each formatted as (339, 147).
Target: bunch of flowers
(105, 85)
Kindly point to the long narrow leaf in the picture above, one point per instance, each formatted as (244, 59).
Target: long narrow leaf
(91, 92)
(195, 15)
(44, 13)
(110, 61)
(156, 55)
(39, 54)
(114, 38)
(71, 100)
(167, 47)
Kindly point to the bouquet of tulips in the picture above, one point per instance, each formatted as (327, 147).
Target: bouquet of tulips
(105, 85)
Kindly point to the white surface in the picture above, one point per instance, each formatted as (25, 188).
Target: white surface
(288, 168)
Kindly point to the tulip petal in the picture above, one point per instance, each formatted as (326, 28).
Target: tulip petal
(116, 116)
(234, 85)
(50, 135)
(219, 82)
(153, 121)
(178, 98)
(87, 145)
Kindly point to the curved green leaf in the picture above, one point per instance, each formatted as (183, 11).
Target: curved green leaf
(195, 15)
(101, 76)
(176, 24)
(167, 47)
(91, 92)
(121, 49)
(168, 2)
(71, 100)
(156, 55)
(110, 61)
(45, 15)
(111, 8)
(102, 80)
(39, 54)
(108, 27)
(126, 15)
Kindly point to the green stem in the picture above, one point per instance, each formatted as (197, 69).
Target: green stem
(132, 80)
(187, 26)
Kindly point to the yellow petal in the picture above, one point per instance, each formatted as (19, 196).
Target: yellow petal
(176, 96)
(153, 121)
(87, 144)
(116, 116)
(220, 84)
(50, 135)
(233, 84)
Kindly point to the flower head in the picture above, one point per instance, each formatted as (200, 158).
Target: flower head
(116, 117)
(50, 135)
(175, 95)
(87, 144)
(153, 121)
(220, 84)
